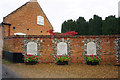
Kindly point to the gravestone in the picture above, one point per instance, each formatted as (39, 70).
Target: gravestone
(91, 48)
(32, 48)
(61, 48)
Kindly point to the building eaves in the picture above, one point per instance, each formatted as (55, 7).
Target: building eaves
(5, 24)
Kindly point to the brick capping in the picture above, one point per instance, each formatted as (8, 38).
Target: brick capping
(63, 36)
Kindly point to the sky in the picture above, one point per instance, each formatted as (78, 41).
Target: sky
(57, 11)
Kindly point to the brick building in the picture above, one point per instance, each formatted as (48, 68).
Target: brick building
(29, 19)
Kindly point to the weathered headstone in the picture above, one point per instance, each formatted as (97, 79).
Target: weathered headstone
(61, 48)
(91, 48)
(32, 48)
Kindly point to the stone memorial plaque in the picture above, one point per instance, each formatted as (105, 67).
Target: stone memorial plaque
(91, 48)
(32, 48)
(61, 48)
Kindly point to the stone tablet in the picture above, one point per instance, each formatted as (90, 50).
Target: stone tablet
(32, 48)
(61, 48)
(91, 48)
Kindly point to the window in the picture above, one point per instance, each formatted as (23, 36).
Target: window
(41, 31)
(40, 20)
(27, 29)
(13, 27)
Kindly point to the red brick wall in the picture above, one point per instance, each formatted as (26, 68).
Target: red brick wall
(25, 18)
(14, 44)
(6, 30)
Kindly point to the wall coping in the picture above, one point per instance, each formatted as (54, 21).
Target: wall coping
(62, 36)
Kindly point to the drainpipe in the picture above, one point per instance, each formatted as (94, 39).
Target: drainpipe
(8, 25)
(9, 30)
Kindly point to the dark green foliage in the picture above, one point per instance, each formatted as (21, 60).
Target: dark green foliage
(110, 25)
(68, 25)
(119, 25)
(81, 26)
(95, 26)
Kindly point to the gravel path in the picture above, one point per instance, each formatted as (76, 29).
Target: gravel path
(6, 73)
(64, 71)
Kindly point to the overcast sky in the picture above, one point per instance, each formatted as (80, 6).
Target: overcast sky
(58, 11)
